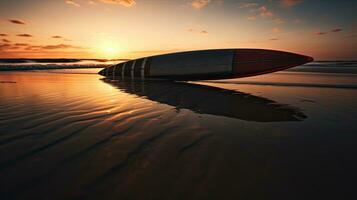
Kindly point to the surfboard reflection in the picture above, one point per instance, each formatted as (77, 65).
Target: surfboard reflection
(211, 100)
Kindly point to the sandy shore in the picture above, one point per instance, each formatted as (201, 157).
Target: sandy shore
(73, 134)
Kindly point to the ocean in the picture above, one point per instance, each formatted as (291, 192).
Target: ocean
(68, 133)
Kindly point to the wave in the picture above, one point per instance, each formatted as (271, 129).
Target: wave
(46, 64)
(347, 67)
(47, 67)
(332, 64)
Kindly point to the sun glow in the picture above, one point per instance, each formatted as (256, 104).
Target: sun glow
(109, 52)
(108, 48)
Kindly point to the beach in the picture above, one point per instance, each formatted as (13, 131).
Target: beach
(73, 134)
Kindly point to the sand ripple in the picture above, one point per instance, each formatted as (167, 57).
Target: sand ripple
(80, 136)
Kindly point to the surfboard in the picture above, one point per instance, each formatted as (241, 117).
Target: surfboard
(207, 64)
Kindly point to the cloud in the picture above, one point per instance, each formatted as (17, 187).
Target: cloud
(21, 44)
(25, 35)
(60, 46)
(276, 30)
(4, 46)
(273, 39)
(3, 35)
(29, 47)
(70, 2)
(198, 4)
(13, 47)
(289, 3)
(192, 30)
(265, 12)
(7, 46)
(33, 47)
(16, 21)
(320, 33)
(336, 30)
(262, 11)
(6, 41)
(57, 37)
(126, 3)
(247, 5)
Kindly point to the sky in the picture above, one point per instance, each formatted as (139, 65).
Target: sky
(112, 29)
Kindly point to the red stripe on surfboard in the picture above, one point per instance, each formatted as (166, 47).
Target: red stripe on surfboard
(255, 62)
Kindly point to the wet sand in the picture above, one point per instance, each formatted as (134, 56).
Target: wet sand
(72, 134)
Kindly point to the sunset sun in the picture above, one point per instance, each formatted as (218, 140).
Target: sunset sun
(110, 52)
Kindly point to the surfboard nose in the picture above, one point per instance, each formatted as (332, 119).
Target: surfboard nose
(250, 62)
(102, 72)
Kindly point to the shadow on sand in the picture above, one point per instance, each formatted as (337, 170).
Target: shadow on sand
(204, 99)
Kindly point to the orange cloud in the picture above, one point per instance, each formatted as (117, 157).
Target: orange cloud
(29, 47)
(6, 41)
(336, 30)
(192, 30)
(198, 4)
(57, 37)
(21, 44)
(265, 12)
(3, 35)
(60, 46)
(289, 3)
(4, 46)
(33, 47)
(16, 21)
(320, 33)
(7, 46)
(126, 3)
(273, 39)
(25, 35)
(72, 3)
